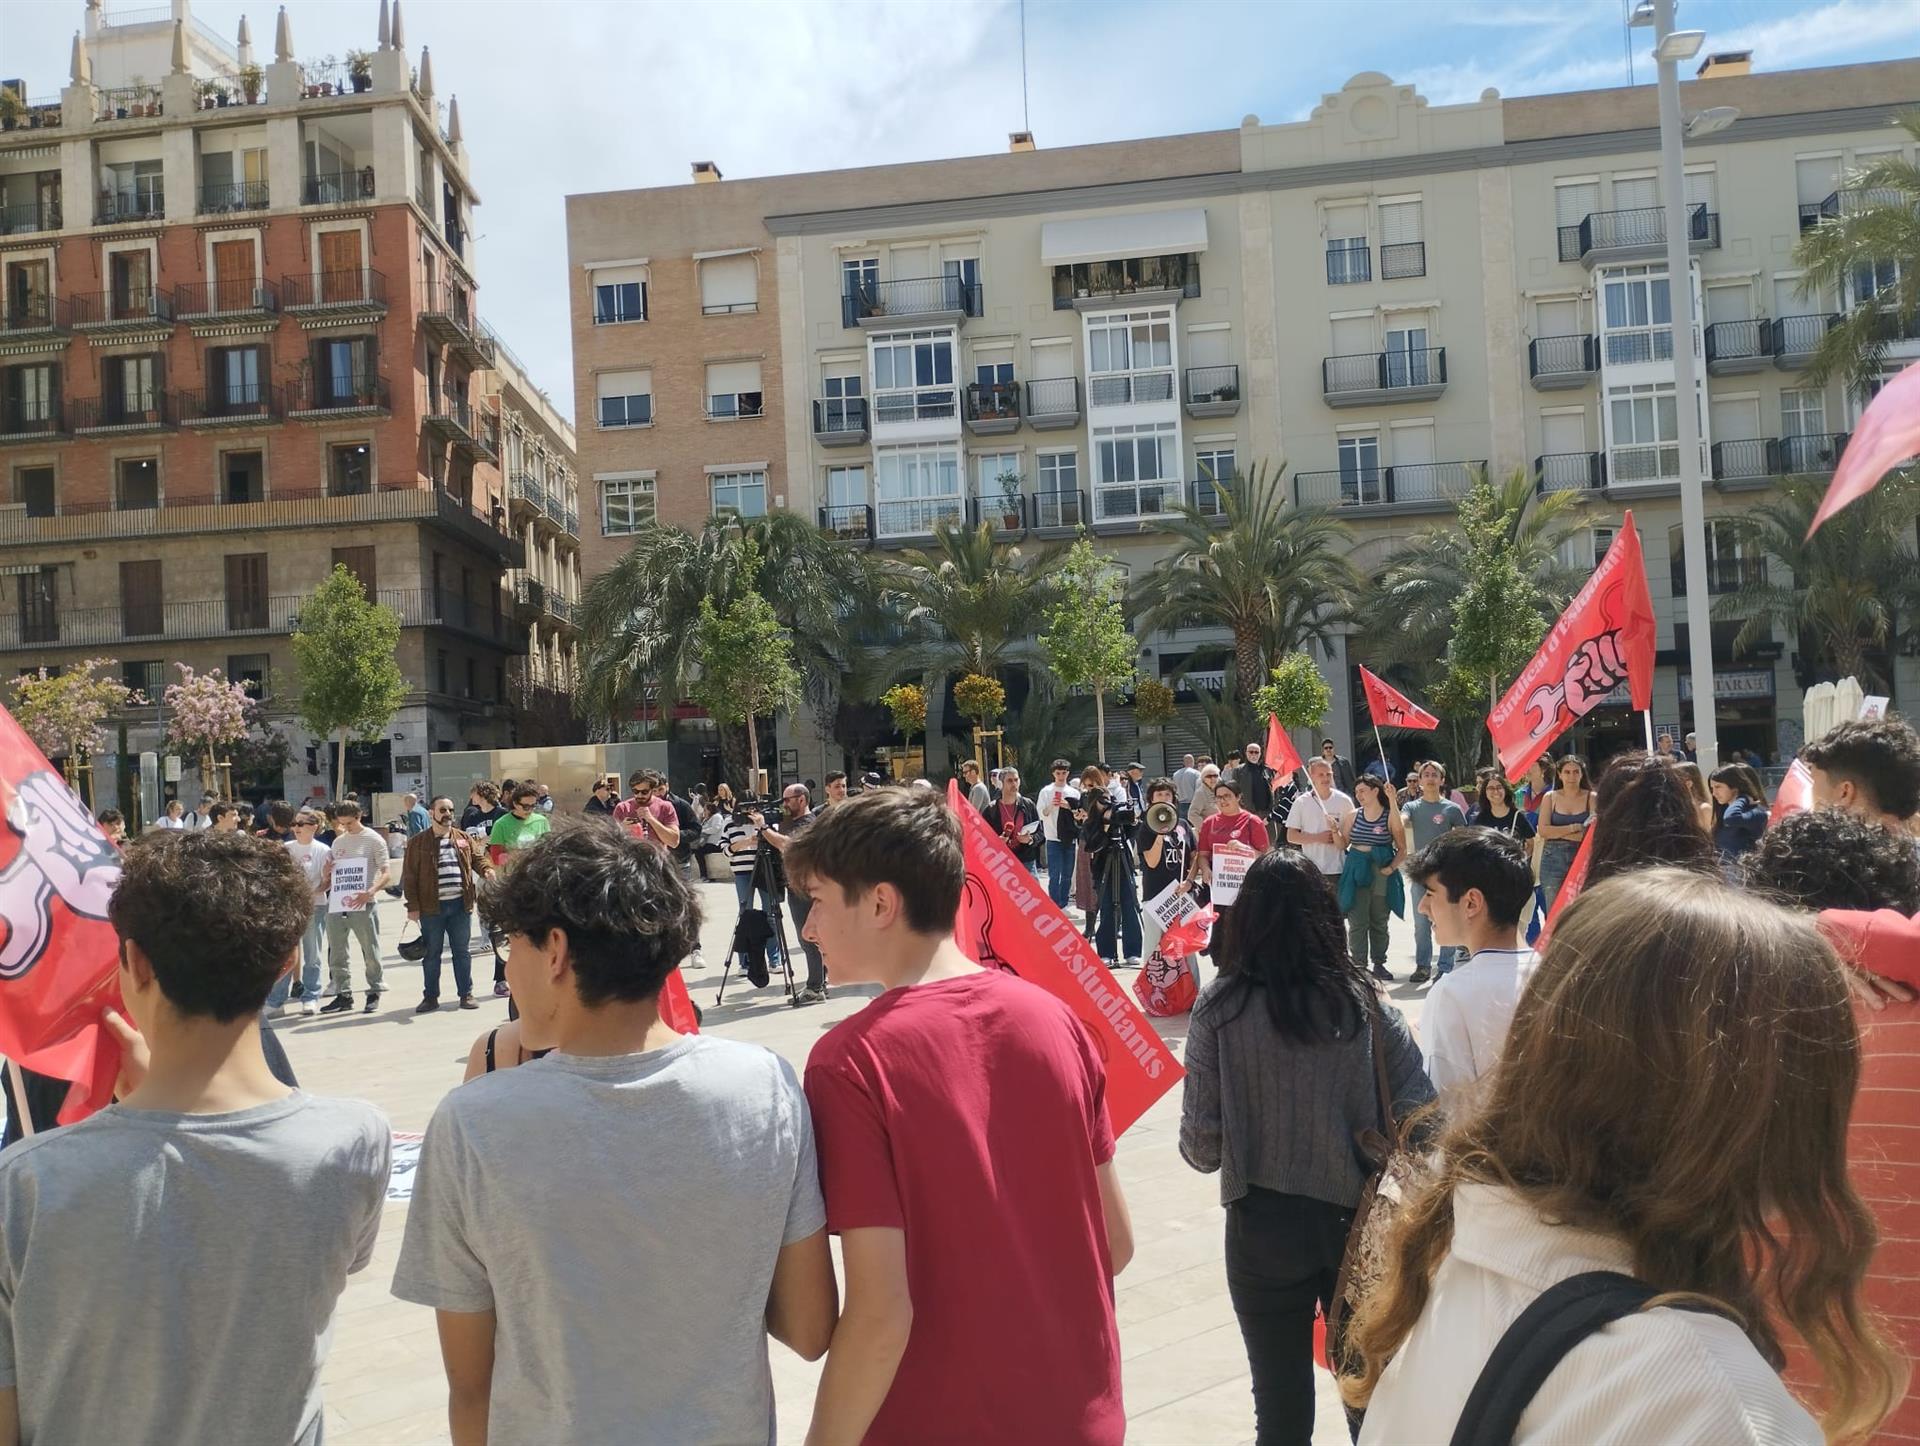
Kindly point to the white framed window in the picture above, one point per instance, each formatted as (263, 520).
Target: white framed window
(1360, 479)
(1347, 258)
(1129, 357)
(729, 284)
(989, 468)
(915, 489)
(1410, 360)
(626, 504)
(743, 494)
(1136, 471)
(625, 399)
(1636, 193)
(1403, 249)
(913, 376)
(842, 404)
(1643, 433)
(1058, 471)
(1804, 443)
(733, 391)
(859, 280)
(1585, 549)
(847, 486)
(1056, 499)
(1212, 466)
(619, 295)
(1636, 316)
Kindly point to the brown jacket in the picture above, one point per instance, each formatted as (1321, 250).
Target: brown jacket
(420, 871)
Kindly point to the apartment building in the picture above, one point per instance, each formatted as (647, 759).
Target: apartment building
(239, 344)
(1386, 296)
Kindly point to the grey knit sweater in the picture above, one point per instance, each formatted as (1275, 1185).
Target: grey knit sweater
(1265, 1111)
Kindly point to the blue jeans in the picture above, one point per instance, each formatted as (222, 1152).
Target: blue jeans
(1060, 871)
(452, 925)
(743, 886)
(309, 963)
(1423, 935)
(1115, 885)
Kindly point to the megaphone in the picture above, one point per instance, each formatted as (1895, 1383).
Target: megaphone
(1163, 817)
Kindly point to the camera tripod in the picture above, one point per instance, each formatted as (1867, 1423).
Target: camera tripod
(746, 932)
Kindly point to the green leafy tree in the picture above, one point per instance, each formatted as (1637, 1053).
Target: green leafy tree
(980, 698)
(344, 649)
(1087, 642)
(1049, 724)
(969, 603)
(1153, 703)
(1499, 615)
(746, 661)
(907, 702)
(1297, 695)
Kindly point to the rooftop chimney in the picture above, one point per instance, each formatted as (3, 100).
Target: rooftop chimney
(1020, 141)
(1726, 62)
(705, 172)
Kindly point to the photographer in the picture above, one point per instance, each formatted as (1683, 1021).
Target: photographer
(1106, 831)
(1014, 817)
(793, 818)
(1163, 855)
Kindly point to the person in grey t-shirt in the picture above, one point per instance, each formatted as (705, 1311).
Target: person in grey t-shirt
(147, 1289)
(1427, 816)
(609, 1234)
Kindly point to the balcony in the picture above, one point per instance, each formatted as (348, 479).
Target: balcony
(1852, 200)
(1059, 511)
(1738, 346)
(1007, 512)
(1053, 403)
(848, 522)
(1370, 378)
(840, 422)
(137, 308)
(338, 188)
(450, 418)
(37, 312)
(1203, 496)
(1128, 281)
(526, 499)
(1569, 472)
(118, 207)
(1810, 214)
(128, 102)
(33, 216)
(1743, 459)
(358, 293)
(1122, 389)
(224, 300)
(1812, 455)
(1348, 265)
(1794, 339)
(1401, 259)
(1647, 465)
(1212, 391)
(1605, 237)
(1555, 363)
(447, 317)
(1724, 574)
(920, 301)
(923, 404)
(233, 196)
(1412, 487)
(916, 516)
(323, 398)
(30, 424)
(90, 416)
(993, 408)
(228, 406)
(1130, 506)
(534, 601)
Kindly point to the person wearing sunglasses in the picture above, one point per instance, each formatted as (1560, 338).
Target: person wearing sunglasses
(437, 876)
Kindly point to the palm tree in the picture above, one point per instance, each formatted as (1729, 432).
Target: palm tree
(1274, 576)
(638, 619)
(974, 603)
(1850, 594)
(1870, 251)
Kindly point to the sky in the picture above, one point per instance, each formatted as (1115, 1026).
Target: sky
(566, 96)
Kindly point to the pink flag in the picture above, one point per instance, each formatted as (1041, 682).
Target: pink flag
(1795, 795)
(1888, 434)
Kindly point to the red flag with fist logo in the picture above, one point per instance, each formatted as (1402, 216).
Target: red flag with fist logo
(1603, 639)
(1390, 708)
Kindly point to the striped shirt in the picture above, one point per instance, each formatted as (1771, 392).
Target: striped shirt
(1366, 833)
(451, 886)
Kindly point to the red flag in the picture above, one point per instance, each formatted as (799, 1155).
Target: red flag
(1008, 922)
(676, 1005)
(59, 957)
(1570, 887)
(1281, 756)
(1887, 435)
(1390, 708)
(1603, 639)
(1795, 795)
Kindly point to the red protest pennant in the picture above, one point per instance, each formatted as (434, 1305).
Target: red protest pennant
(1603, 639)
(676, 1005)
(1390, 708)
(1570, 887)
(1282, 757)
(1008, 922)
(1888, 434)
(59, 957)
(1795, 795)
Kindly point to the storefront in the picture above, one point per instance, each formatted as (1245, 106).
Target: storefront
(1743, 708)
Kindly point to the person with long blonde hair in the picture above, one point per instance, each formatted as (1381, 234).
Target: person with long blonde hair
(1671, 1106)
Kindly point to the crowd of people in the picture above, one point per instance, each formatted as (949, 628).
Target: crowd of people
(1641, 1124)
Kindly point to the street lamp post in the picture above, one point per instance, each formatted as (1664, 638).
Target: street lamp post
(1669, 49)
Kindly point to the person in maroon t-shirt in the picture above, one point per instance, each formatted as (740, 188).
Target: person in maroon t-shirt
(966, 1157)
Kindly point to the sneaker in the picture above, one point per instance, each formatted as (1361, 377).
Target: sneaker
(1420, 976)
(817, 994)
(467, 1002)
(309, 1007)
(698, 961)
(373, 1001)
(500, 989)
(425, 1006)
(339, 1004)
(1134, 962)
(1380, 972)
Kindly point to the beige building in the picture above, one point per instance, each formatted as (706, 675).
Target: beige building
(1384, 296)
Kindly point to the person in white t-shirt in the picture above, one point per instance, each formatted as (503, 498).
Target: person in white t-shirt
(1476, 886)
(1056, 802)
(316, 862)
(1311, 822)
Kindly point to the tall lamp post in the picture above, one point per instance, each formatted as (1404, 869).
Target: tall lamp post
(1670, 47)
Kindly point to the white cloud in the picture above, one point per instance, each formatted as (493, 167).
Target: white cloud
(1842, 28)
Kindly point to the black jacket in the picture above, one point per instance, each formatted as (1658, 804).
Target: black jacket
(1029, 819)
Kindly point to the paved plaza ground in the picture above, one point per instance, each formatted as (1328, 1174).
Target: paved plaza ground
(1185, 1366)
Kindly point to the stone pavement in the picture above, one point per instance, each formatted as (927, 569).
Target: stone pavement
(1186, 1380)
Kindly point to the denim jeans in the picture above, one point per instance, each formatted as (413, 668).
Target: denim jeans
(309, 962)
(1060, 871)
(452, 925)
(743, 887)
(360, 925)
(1115, 884)
(1423, 935)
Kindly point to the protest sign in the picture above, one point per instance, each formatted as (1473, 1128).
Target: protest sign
(1231, 860)
(349, 882)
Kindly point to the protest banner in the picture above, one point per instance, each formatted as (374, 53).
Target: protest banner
(1166, 984)
(1008, 922)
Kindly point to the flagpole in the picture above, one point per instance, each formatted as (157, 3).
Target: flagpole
(1647, 715)
(1382, 749)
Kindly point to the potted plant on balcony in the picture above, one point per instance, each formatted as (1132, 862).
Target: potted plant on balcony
(1009, 483)
(251, 77)
(1227, 393)
(11, 108)
(360, 70)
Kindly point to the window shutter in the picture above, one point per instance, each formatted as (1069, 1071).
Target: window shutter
(1700, 189)
(1639, 194)
(726, 378)
(624, 384)
(1208, 348)
(1573, 203)
(1400, 223)
(1052, 362)
(1346, 222)
(1814, 180)
(728, 283)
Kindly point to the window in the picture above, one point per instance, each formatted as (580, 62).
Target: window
(733, 390)
(1057, 501)
(1136, 471)
(233, 380)
(142, 599)
(1643, 434)
(1360, 468)
(1403, 250)
(744, 494)
(360, 562)
(988, 375)
(1585, 549)
(859, 276)
(1211, 467)
(38, 598)
(626, 505)
(147, 676)
(988, 470)
(913, 376)
(349, 469)
(729, 284)
(846, 487)
(841, 410)
(1872, 278)
(251, 671)
(1059, 471)
(246, 591)
(33, 489)
(1130, 358)
(139, 484)
(440, 662)
(1729, 566)
(916, 488)
(1347, 258)
(1409, 361)
(242, 476)
(129, 387)
(1573, 202)
(28, 399)
(1636, 317)
(619, 295)
(1804, 443)
(626, 398)
(343, 372)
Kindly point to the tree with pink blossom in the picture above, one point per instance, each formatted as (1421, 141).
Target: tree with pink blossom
(63, 713)
(205, 713)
